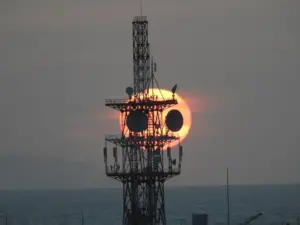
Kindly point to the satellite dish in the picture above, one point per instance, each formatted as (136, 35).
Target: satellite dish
(137, 121)
(174, 162)
(174, 120)
(129, 91)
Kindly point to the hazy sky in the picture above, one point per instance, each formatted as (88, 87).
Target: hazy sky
(236, 62)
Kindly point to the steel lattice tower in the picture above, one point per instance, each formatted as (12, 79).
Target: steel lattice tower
(144, 165)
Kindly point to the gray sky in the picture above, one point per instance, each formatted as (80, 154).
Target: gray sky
(236, 62)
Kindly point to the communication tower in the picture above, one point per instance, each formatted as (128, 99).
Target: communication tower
(145, 161)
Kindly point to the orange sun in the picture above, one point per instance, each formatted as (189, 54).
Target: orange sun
(182, 106)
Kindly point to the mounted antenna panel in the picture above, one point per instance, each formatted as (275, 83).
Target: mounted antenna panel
(115, 153)
(105, 152)
(169, 152)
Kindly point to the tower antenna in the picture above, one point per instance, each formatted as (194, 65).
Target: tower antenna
(143, 166)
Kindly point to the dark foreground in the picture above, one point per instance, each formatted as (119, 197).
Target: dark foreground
(279, 204)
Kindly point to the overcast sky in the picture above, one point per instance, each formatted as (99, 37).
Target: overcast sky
(236, 62)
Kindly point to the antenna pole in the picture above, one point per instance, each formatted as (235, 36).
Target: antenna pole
(152, 75)
(141, 5)
(228, 206)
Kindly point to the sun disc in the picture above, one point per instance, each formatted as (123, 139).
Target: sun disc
(182, 107)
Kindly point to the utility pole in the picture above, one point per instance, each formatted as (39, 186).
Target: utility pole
(228, 205)
(82, 218)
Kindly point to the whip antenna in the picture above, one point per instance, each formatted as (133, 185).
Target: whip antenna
(141, 7)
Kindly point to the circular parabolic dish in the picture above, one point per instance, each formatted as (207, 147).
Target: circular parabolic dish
(137, 121)
(174, 120)
(129, 91)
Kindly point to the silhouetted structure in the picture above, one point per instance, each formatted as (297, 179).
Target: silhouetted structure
(144, 165)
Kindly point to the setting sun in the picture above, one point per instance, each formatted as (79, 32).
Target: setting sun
(182, 106)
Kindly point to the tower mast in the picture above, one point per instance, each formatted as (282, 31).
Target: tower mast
(143, 166)
(141, 54)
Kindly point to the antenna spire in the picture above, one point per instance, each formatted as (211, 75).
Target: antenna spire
(141, 7)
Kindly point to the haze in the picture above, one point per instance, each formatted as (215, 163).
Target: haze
(236, 62)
